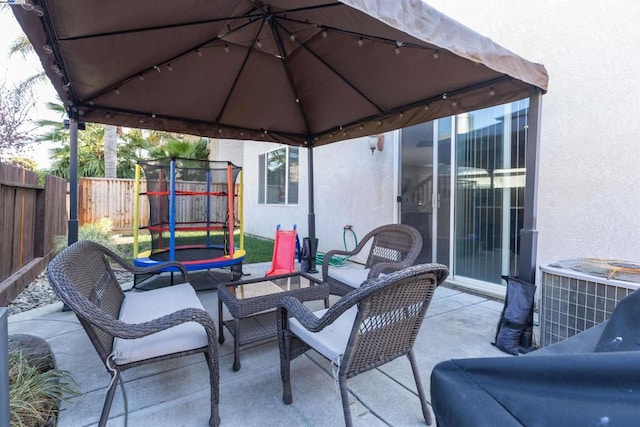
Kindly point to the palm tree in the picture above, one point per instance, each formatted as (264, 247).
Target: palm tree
(172, 147)
(90, 153)
(110, 151)
(23, 47)
(91, 148)
(136, 147)
(55, 130)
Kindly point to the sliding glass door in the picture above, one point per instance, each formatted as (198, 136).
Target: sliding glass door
(463, 187)
(489, 190)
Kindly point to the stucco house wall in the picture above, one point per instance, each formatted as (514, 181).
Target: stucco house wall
(589, 176)
(261, 220)
(352, 187)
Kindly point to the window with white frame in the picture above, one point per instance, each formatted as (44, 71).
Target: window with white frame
(278, 176)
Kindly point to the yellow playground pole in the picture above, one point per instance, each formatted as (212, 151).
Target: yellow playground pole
(241, 211)
(230, 224)
(136, 213)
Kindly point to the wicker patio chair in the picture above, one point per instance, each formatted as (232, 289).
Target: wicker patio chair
(368, 327)
(135, 328)
(393, 247)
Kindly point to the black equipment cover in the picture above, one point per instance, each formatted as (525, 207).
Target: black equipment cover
(591, 388)
(513, 333)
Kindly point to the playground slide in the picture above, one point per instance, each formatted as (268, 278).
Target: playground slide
(284, 249)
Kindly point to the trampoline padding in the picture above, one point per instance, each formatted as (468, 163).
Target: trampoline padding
(189, 254)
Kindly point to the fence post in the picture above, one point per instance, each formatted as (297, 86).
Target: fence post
(4, 368)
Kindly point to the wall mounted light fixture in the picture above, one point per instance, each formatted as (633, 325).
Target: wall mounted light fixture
(376, 142)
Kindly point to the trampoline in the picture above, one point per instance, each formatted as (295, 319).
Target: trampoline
(194, 213)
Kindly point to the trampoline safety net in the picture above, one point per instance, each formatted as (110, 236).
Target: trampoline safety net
(189, 201)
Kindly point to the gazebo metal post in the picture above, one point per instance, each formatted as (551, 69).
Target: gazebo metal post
(73, 180)
(527, 260)
(312, 215)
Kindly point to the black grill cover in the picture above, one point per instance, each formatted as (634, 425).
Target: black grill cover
(588, 389)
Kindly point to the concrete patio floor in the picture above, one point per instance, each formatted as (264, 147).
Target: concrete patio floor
(176, 392)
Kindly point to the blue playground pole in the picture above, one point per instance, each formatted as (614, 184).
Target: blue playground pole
(172, 210)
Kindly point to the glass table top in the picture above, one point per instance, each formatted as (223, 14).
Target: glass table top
(270, 286)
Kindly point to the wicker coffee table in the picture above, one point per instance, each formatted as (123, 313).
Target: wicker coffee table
(251, 303)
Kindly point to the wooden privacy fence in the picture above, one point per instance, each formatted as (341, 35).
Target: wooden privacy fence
(110, 198)
(30, 215)
(114, 199)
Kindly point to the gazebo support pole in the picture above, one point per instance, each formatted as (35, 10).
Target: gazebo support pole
(527, 260)
(312, 216)
(73, 180)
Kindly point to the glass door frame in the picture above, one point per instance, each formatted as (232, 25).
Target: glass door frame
(486, 288)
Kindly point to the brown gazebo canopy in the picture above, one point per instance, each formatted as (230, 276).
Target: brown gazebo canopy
(299, 72)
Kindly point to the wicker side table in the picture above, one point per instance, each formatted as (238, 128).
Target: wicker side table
(251, 304)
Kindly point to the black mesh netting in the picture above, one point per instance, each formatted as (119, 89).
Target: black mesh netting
(201, 193)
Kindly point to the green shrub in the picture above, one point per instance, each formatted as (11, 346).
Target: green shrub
(99, 232)
(34, 396)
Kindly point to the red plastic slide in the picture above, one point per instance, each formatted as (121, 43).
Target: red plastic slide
(284, 250)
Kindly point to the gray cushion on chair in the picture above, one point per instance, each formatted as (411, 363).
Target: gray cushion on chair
(331, 342)
(139, 307)
(349, 276)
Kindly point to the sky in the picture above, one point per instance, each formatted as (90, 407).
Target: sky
(14, 70)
